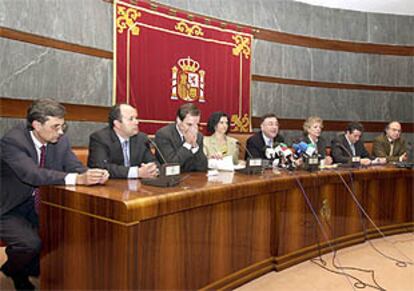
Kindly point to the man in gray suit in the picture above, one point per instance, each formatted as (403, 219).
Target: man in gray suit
(33, 155)
(181, 142)
(121, 148)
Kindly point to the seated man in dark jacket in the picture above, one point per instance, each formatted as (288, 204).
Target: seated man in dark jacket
(34, 155)
(349, 144)
(268, 136)
(121, 148)
(181, 142)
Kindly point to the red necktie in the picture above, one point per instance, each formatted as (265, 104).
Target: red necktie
(41, 165)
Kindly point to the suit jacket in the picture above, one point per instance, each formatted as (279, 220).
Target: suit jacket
(257, 147)
(211, 146)
(105, 151)
(20, 172)
(320, 145)
(170, 144)
(341, 151)
(382, 147)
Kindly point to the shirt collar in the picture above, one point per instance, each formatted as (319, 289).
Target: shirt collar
(312, 141)
(266, 139)
(179, 132)
(36, 142)
(350, 143)
(121, 139)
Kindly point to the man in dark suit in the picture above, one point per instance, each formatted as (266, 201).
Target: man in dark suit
(181, 142)
(349, 144)
(121, 148)
(391, 145)
(31, 156)
(268, 136)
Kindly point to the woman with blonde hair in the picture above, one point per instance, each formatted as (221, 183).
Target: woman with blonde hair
(312, 129)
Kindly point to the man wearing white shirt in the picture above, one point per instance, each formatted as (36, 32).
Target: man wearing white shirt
(181, 142)
(34, 155)
(121, 148)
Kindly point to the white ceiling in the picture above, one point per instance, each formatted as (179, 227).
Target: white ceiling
(405, 7)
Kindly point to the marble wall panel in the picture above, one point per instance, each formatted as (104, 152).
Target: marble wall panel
(332, 104)
(267, 58)
(266, 98)
(78, 132)
(300, 18)
(30, 71)
(85, 22)
(390, 70)
(297, 63)
(331, 66)
(337, 23)
(294, 102)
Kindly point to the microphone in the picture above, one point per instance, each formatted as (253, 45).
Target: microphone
(148, 142)
(310, 157)
(287, 156)
(300, 148)
(169, 172)
(253, 165)
(355, 160)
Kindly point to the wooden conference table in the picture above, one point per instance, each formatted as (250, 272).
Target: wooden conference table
(216, 232)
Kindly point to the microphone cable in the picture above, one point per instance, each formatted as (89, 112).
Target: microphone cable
(323, 264)
(359, 283)
(399, 263)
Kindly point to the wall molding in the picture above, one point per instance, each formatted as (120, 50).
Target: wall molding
(332, 85)
(17, 108)
(334, 45)
(53, 43)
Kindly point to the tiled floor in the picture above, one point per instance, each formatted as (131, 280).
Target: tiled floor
(308, 276)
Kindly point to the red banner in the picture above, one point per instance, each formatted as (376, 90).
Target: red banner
(165, 57)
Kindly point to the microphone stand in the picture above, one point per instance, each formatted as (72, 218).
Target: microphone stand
(253, 165)
(355, 161)
(169, 172)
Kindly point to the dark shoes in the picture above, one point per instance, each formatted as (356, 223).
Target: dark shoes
(20, 282)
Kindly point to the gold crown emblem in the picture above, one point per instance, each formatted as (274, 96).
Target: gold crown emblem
(188, 65)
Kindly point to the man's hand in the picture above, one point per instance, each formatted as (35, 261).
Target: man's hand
(149, 170)
(190, 136)
(365, 162)
(403, 157)
(328, 160)
(92, 177)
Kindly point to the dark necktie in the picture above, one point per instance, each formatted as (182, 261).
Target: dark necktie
(37, 190)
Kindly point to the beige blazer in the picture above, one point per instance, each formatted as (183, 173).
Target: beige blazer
(211, 146)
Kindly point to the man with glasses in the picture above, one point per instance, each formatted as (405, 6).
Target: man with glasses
(390, 144)
(181, 143)
(121, 148)
(34, 155)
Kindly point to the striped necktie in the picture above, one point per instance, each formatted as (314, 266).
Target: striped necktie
(125, 151)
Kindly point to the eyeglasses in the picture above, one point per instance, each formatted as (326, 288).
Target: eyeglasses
(57, 127)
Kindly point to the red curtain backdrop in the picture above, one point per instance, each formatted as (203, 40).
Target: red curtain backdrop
(165, 57)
